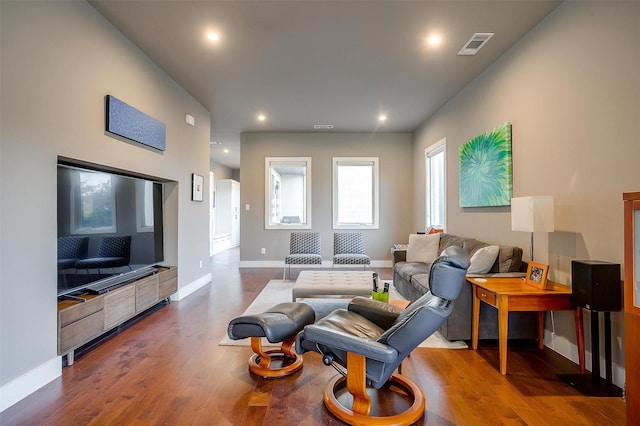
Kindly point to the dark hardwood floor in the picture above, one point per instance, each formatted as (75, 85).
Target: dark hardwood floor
(167, 369)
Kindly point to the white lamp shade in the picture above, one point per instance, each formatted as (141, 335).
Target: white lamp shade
(532, 214)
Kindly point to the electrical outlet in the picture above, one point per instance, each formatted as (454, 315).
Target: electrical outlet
(263, 250)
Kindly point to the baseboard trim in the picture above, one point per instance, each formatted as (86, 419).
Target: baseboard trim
(261, 264)
(186, 290)
(23, 386)
(569, 350)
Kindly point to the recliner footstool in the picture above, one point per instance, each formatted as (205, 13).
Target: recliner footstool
(281, 323)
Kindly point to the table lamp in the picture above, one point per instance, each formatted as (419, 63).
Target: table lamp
(532, 214)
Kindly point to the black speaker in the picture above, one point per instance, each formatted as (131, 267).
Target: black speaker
(596, 285)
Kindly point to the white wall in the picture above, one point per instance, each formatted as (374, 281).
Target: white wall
(571, 89)
(222, 172)
(59, 60)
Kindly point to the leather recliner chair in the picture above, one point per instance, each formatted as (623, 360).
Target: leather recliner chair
(371, 339)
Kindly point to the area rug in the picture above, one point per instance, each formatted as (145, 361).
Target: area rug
(279, 291)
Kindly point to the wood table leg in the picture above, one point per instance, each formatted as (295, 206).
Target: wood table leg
(578, 315)
(475, 319)
(503, 330)
(540, 330)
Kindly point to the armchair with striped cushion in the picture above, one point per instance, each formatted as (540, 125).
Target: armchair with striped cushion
(348, 249)
(304, 249)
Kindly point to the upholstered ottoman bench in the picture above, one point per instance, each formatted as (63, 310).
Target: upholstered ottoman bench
(281, 323)
(333, 284)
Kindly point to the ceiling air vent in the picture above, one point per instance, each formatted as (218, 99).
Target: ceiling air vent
(474, 44)
(323, 126)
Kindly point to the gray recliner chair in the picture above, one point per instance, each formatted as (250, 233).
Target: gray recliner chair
(371, 339)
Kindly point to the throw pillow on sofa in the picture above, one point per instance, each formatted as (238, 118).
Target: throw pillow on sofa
(483, 259)
(423, 248)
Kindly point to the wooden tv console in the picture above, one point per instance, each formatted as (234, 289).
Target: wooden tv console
(88, 316)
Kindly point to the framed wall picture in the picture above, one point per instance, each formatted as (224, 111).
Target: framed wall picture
(537, 275)
(197, 187)
(486, 169)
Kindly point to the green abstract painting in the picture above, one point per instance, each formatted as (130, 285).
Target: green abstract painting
(486, 169)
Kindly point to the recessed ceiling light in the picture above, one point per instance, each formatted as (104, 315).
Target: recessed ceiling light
(434, 40)
(213, 36)
(226, 151)
(382, 118)
(262, 117)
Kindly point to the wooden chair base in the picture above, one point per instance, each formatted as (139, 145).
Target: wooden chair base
(260, 363)
(358, 414)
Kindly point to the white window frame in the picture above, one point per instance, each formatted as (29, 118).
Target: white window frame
(287, 161)
(144, 198)
(375, 224)
(436, 148)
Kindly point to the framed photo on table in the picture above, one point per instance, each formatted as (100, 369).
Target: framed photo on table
(537, 275)
(197, 187)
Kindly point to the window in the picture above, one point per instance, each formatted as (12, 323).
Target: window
(288, 193)
(435, 185)
(212, 212)
(144, 205)
(355, 193)
(93, 203)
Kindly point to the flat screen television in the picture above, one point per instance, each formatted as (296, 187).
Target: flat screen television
(110, 227)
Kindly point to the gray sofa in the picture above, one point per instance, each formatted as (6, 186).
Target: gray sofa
(411, 280)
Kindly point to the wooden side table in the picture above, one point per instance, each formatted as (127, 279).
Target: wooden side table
(399, 303)
(512, 294)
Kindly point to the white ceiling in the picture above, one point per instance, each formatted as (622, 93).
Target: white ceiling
(306, 62)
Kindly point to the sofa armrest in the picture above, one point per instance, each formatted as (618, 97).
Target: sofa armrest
(399, 255)
(523, 267)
